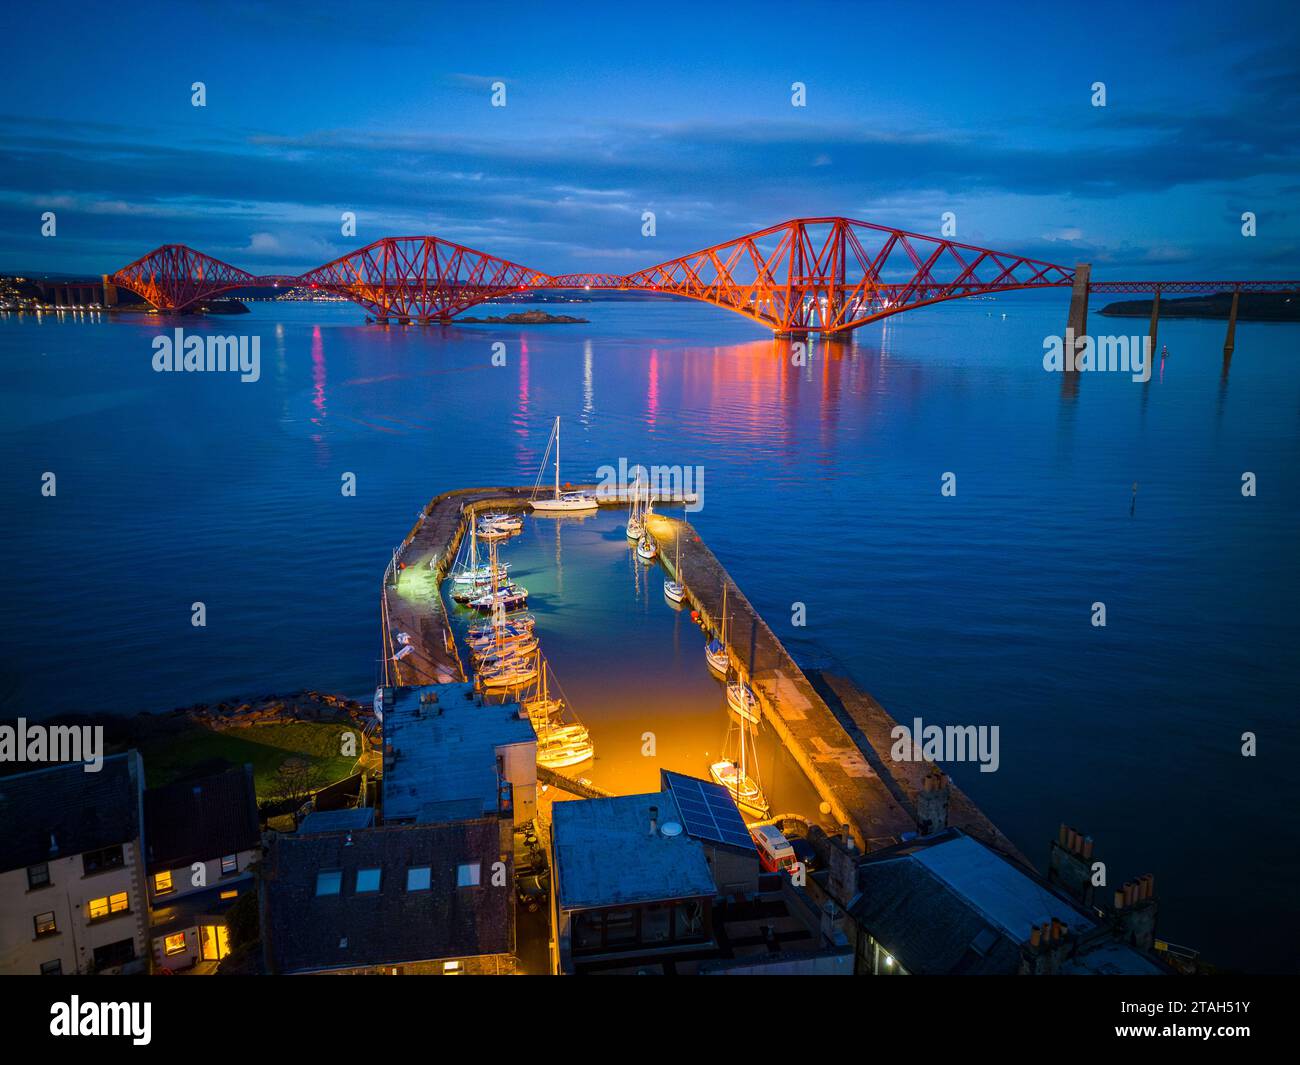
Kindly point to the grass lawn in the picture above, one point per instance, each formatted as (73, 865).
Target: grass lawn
(267, 747)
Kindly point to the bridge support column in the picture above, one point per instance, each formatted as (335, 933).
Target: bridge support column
(110, 293)
(1076, 324)
(1155, 322)
(1229, 341)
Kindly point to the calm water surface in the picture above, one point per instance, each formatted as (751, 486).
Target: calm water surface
(822, 486)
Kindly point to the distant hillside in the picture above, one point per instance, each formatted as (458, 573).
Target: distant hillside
(1254, 306)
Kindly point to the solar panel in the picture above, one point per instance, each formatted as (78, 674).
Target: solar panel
(707, 810)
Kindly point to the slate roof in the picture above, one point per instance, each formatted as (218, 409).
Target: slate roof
(605, 855)
(199, 820)
(948, 904)
(185, 911)
(310, 932)
(67, 808)
(443, 742)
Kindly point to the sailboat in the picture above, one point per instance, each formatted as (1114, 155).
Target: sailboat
(734, 776)
(566, 502)
(559, 743)
(502, 519)
(742, 700)
(646, 547)
(674, 589)
(715, 651)
(468, 573)
(635, 523)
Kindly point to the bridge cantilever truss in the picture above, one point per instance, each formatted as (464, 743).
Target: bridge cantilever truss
(807, 275)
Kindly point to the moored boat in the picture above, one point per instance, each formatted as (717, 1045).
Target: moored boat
(560, 502)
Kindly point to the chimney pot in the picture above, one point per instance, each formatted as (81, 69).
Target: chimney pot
(1087, 846)
(1119, 899)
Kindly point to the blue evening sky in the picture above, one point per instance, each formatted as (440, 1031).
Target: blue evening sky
(681, 109)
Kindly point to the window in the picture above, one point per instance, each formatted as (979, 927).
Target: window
(108, 905)
(52, 968)
(38, 876)
(418, 878)
(233, 893)
(452, 968)
(367, 880)
(467, 875)
(162, 883)
(229, 864)
(118, 953)
(174, 944)
(98, 861)
(45, 924)
(329, 882)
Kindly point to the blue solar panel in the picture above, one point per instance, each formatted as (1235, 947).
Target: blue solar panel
(707, 810)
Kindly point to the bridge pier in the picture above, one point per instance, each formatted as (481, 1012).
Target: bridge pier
(1229, 342)
(1076, 324)
(1155, 321)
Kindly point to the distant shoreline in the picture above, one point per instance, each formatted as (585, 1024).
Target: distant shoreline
(1253, 307)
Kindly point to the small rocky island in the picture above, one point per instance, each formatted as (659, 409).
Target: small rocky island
(525, 318)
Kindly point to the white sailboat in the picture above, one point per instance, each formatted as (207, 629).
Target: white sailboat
(561, 502)
(647, 548)
(674, 589)
(715, 651)
(743, 701)
(745, 791)
(635, 523)
(560, 743)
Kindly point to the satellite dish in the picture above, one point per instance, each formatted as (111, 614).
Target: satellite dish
(671, 828)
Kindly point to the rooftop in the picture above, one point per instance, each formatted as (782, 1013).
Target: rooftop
(407, 917)
(947, 903)
(606, 855)
(444, 742)
(199, 820)
(337, 820)
(63, 810)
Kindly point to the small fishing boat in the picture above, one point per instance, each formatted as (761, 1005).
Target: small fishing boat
(646, 548)
(492, 533)
(743, 701)
(674, 589)
(560, 502)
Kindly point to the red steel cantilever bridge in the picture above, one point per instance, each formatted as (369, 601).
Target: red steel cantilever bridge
(807, 275)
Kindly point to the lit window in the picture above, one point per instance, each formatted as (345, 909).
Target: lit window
(229, 864)
(233, 893)
(38, 876)
(329, 882)
(367, 880)
(417, 878)
(103, 907)
(467, 875)
(174, 944)
(451, 968)
(162, 882)
(45, 925)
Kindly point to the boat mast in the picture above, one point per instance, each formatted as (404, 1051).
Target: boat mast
(557, 456)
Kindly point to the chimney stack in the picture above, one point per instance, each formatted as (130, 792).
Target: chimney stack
(654, 820)
(932, 802)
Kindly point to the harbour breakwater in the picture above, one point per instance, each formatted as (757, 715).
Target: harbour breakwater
(837, 734)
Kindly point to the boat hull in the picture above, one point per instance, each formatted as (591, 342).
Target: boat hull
(743, 703)
(744, 792)
(564, 506)
(674, 591)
